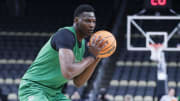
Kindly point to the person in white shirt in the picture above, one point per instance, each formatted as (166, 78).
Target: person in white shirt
(170, 96)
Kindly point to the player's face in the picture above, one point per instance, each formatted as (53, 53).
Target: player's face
(86, 23)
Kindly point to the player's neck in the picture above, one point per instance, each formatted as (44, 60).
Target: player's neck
(79, 36)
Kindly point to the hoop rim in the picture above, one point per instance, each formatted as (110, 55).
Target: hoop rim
(156, 46)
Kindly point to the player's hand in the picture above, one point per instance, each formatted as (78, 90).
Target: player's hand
(96, 45)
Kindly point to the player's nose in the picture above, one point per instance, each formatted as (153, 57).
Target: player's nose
(92, 26)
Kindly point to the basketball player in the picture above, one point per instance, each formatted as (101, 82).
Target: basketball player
(62, 59)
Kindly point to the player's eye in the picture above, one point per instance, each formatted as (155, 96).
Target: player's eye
(87, 20)
(90, 21)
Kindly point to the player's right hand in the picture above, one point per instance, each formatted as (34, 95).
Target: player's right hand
(96, 45)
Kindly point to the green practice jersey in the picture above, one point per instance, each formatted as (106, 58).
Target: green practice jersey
(45, 69)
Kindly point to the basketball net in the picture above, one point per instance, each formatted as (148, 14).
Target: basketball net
(156, 51)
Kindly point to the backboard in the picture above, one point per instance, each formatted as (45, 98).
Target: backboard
(145, 30)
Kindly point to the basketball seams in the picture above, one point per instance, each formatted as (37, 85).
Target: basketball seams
(108, 36)
(108, 53)
(111, 45)
(109, 48)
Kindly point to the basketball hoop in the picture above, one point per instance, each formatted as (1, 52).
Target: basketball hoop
(156, 50)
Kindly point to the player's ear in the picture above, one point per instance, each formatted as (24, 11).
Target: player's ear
(76, 19)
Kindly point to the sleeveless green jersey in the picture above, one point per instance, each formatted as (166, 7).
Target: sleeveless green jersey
(46, 70)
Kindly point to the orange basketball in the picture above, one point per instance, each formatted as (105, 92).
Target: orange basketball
(110, 48)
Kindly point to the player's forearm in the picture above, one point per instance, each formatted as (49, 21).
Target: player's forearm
(77, 68)
(84, 76)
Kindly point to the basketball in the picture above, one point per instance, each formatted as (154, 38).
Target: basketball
(108, 37)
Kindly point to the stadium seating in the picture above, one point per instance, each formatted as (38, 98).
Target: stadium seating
(134, 73)
(138, 77)
(16, 55)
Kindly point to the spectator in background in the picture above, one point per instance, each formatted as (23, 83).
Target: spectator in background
(128, 98)
(170, 96)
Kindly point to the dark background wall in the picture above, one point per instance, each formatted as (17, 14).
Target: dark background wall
(48, 15)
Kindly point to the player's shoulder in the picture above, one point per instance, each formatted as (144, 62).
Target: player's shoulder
(63, 38)
(64, 31)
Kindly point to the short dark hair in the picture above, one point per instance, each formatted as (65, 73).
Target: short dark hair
(83, 8)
